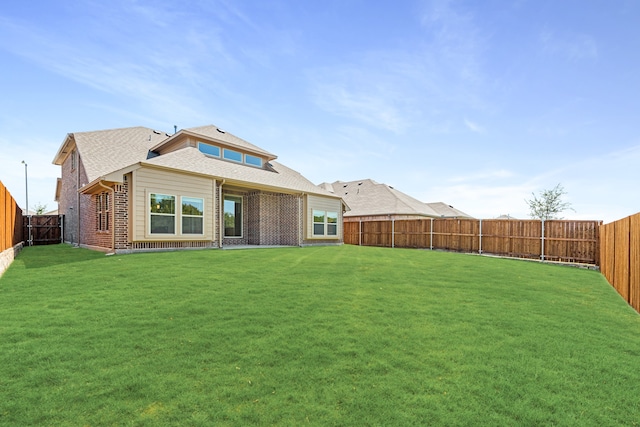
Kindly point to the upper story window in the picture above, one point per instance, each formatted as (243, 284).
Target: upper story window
(236, 156)
(209, 149)
(74, 159)
(252, 160)
(229, 154)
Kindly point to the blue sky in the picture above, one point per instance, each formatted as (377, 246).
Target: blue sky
(477, 104)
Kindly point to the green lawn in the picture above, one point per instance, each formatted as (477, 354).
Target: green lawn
(343, 336)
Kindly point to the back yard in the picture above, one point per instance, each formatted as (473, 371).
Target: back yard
(312, 336)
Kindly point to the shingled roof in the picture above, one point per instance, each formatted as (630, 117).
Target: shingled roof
(366, 197)
(110, 152)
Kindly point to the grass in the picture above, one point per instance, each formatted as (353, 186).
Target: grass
(311, 336)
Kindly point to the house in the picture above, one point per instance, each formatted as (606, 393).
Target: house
(370, 201)
(132, 189)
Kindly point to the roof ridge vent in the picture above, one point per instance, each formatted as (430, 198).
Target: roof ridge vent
(157, 132)
(220, 130)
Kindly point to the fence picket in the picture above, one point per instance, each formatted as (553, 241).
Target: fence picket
(567, 241)
(10, 220)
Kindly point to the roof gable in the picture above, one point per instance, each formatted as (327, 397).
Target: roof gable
(105, 151)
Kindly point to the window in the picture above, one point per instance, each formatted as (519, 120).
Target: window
(192, 215)
(208, 149)
(163, 214)
(236, 156)
(232, 216)
(318, 223)
(102, 212)
(332, 223)
(74, 159)
(325, 223)
(252, 160)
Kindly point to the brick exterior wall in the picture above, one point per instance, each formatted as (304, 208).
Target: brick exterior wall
(273, 219)
(121, 214)
(89, 234)
(69, 197)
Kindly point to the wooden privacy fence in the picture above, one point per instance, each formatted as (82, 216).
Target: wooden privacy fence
(10, 220)
(43, 229)
(555, 240)
(620, 257)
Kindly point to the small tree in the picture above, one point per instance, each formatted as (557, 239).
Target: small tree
(549, 204)
(39, 208)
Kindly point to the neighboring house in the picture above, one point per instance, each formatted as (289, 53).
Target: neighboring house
(139, 189)
(369, 200)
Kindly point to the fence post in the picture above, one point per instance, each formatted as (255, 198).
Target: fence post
(480, 237)
(360, 233)
(393, 231)
(542, 241)
(431, 235)
(30, 241)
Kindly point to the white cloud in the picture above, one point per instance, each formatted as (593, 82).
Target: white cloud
(474, 127)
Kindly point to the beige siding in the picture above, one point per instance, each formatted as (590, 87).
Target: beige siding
(149, 180)
(327, 204)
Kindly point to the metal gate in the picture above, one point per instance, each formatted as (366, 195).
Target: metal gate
(42, 229)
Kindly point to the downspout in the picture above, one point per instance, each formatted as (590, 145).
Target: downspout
(113, 215)
(221, 213)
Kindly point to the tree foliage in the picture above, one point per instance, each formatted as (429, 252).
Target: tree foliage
(39, 208)
(549, 204)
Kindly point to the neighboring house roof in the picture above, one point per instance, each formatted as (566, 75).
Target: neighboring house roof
(369, 198)
(107, 154)
(446, 210)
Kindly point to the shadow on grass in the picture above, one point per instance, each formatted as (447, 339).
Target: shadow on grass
(50, 255)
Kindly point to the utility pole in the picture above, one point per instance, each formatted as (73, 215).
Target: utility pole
(26, 195)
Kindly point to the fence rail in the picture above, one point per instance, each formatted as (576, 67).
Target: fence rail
(556, 240)
(10, 220)
(620, 257)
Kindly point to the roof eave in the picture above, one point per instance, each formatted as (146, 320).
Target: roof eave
(268, 155)
(62, 154)
(239, 183)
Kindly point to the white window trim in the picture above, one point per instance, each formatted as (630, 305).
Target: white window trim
(208, 154)
(251, 164)
(325, 224)
(149, 214)
(236, 196)
(203, 216)
(224, 150)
